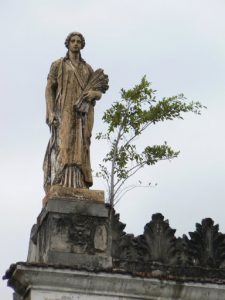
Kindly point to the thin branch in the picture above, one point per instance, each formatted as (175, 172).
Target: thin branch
(134, 136)
(138, 167)
(122, 183)
(131, 169)
(111, 191)
(111, 194)
(123, 190)
(131, 188)
(108, 185)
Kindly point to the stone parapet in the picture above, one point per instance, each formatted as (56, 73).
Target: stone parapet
(79, 250)
(51, 283)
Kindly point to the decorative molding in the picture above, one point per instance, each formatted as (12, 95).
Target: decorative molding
(159, 246)
(206, 245)
(159, 240)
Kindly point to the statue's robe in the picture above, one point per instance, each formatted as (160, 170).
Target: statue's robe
(67, 158)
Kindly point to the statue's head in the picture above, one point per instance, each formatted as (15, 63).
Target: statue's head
(67, 41)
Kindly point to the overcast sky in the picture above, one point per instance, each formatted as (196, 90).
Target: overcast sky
(178, 44)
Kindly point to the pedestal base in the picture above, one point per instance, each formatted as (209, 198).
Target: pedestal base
(58, 191)
(72, 231)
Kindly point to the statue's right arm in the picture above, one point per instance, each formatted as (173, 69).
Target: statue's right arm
(50, 93)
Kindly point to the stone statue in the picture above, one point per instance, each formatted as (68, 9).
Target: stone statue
(71, 93)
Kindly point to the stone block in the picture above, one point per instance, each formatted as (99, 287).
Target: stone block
(72, 232)
(58, 191)
(76, 206)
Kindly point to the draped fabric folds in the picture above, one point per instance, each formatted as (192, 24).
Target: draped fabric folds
(67, 158)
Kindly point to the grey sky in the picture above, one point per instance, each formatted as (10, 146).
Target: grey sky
(178, 44)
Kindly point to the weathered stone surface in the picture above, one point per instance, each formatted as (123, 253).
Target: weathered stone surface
(16, 297)
(100, 238)
(57, 191)
(159, 240)
(207, 245)
(81, 228)
(52, 283)
(72, 232)
(158, 244)
(67, 205)
(87, 235)
(32, 250)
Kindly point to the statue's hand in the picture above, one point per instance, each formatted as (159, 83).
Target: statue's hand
(92, 95)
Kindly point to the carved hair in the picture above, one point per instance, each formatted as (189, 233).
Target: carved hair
(71, 35)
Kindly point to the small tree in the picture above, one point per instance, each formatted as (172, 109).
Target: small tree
(126, 120)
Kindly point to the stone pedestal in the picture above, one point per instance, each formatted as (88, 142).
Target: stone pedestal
(72, 230)
(58, 191)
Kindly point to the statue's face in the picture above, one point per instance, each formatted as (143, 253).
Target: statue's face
(75, 44)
